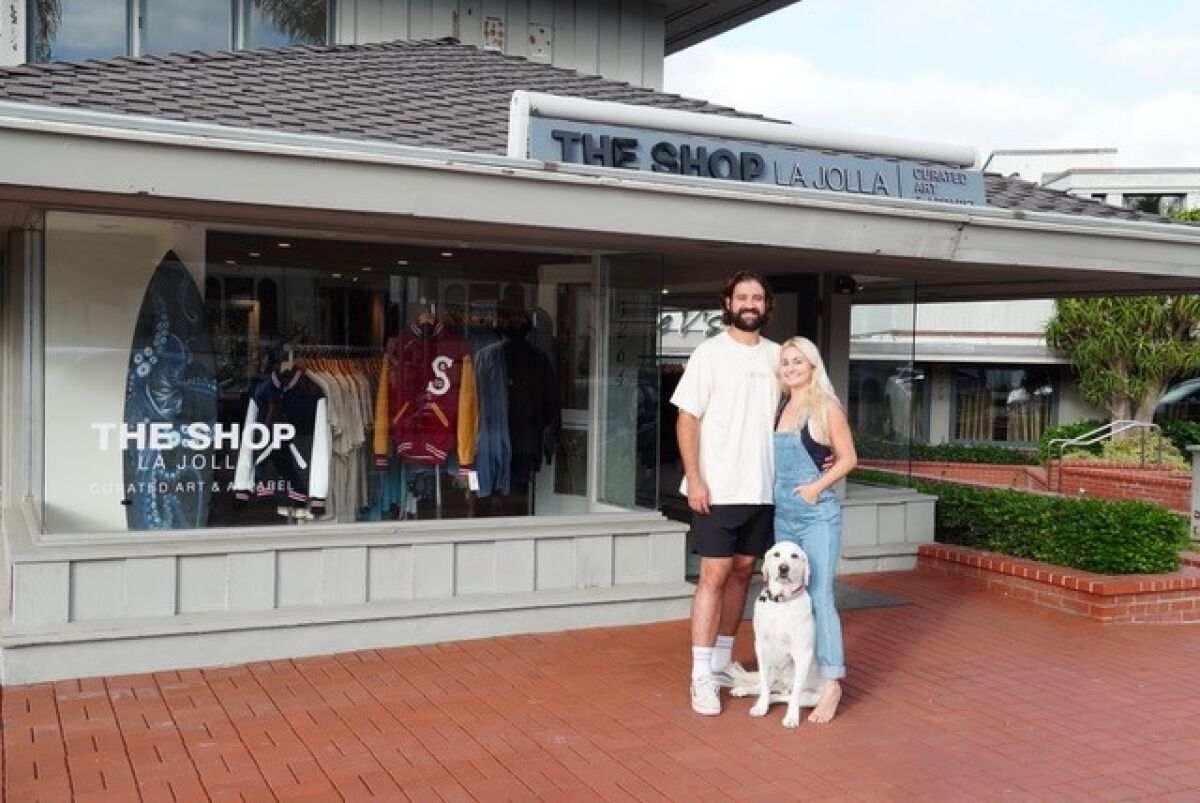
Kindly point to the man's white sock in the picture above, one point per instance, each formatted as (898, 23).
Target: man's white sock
(722, 653)
(701, 662)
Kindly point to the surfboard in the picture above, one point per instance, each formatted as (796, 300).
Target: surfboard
(169, 389)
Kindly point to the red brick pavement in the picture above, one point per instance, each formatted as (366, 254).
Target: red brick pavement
(961, 695)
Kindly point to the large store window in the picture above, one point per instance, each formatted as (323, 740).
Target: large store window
(889, 396)
(82, 29)
(1002, 403)
(1154, 203)
(887, 401)
(197, 377)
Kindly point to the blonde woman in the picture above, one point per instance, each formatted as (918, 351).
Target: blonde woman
(810, 427)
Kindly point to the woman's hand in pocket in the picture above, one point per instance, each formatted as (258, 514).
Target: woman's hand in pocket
(808, 493)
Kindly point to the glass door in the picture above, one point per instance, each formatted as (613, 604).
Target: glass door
(567, 293)
(628, 386)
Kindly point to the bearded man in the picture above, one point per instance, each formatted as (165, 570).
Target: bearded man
(727, 399)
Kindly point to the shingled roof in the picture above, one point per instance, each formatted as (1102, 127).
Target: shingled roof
(439, 94)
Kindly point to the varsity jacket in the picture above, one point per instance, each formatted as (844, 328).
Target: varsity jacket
(295, 472)
(426, 404)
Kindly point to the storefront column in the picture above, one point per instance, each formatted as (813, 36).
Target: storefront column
(941, 387)
(835, 335)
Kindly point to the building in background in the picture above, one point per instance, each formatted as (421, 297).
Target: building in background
(626, 41)
(981, 371)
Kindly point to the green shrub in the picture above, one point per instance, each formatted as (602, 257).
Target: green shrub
(1115, 537)
(1182, 433)
(1095, 535)
(1044, 451)
(1132, 451)
(870, 446)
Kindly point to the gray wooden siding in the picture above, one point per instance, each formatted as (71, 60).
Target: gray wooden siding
(622, 40)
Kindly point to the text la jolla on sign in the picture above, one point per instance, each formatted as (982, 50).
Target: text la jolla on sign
(621, 147)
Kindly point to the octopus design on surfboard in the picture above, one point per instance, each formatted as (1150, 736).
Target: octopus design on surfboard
(169, 387)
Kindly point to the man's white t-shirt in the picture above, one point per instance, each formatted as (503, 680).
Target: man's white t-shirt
(733, 390)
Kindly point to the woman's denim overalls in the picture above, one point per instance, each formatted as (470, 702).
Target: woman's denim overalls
(817, 529)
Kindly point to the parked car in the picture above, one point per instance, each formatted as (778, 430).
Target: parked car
(1180, 403)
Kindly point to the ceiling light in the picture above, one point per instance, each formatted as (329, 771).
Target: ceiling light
(231, 262)
(337, 275)
(401, 262)
(665, 291)
(367, 269)
(255, 254)
(447, 253)
(284, 245)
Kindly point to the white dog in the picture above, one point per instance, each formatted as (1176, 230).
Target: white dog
(784, 638)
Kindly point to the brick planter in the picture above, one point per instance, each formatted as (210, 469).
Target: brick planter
(1161, 486)
(1023, 478)
(1130, 598)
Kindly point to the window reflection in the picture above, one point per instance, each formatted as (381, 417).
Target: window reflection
(170, 26)
(83, 29)
(70, 30)
(279, 23)
(1002, 403)
(887, 400)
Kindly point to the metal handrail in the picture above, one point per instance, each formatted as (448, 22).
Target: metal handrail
(1106, 432)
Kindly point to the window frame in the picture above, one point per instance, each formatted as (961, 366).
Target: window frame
(1057, 378)
(135, 26)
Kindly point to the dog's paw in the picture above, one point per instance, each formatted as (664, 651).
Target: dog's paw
(791, 719)
(759, 709)
(742, 691)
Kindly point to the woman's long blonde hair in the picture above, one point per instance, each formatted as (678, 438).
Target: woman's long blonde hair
(820, 393)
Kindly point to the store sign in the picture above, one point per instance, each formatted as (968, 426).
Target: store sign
(644, 150)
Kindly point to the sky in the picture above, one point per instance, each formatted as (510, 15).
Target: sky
(993, 74)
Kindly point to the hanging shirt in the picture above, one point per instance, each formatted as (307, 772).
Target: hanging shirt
(292, 473)
(429, 407)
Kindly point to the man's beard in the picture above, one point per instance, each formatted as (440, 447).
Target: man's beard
(753, 325)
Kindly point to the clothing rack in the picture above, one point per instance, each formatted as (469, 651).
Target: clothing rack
(294, 350)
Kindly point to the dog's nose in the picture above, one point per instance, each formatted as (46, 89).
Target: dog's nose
(783, 568)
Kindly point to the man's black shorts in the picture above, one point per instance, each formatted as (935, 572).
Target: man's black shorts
(734, 530)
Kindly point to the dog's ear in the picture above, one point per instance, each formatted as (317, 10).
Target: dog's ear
(807, 570)
(766, 567)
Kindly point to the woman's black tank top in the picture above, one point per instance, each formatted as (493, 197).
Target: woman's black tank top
(819, 452)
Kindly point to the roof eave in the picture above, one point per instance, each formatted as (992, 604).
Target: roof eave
(200, 163)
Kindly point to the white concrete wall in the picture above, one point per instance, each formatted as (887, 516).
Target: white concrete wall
(122, 605)
(1072, 408)
(882, 527)
(12, 32)
(1036, 164)
(1007, 317)
(621, 39)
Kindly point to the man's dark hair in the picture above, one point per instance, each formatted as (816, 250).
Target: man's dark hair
(733, 282)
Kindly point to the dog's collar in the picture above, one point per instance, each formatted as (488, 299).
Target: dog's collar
(767, 596)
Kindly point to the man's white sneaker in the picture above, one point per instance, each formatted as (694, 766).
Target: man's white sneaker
(706, 696)
(730, 675)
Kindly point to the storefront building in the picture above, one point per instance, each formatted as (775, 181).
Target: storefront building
(321, 349)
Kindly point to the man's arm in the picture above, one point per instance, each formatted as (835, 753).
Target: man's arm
(687, 433)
